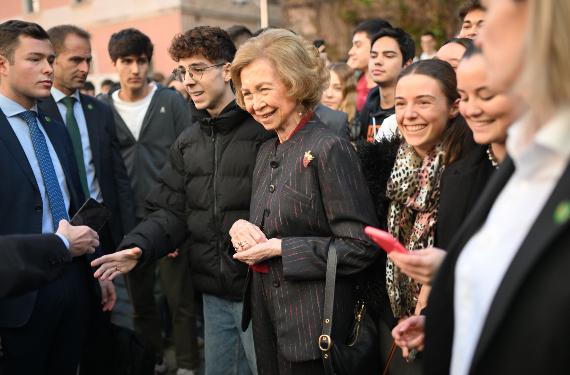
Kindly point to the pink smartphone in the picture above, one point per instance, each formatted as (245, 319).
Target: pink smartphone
(385, 240)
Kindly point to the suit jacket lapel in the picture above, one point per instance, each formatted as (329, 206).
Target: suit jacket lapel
(441, 306)
(93, 126)
(49, 107)
(56, 142)
(12, 143)
(542, 233)
(481, 209)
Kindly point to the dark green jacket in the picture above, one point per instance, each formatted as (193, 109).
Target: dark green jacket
(167, 116)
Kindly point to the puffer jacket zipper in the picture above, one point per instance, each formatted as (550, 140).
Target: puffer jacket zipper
(216, 208)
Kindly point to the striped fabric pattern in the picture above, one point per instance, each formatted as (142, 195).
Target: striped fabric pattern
(307, 203)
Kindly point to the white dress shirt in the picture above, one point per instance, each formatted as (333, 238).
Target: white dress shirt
(92, 182)
(133, 113)
(539, 163)
(11, 109)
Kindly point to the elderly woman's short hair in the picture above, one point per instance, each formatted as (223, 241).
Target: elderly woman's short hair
(295, 60)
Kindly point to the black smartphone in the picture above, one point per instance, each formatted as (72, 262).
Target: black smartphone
(93, 214)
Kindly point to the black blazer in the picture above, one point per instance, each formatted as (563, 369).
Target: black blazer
(526, 331)
(21, 202)
(308, 203)
(461, 185)
(29, 261)
(109, 167)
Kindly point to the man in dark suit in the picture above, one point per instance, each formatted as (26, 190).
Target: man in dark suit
(103, 175)
(42, 330)
(91, 127)
(31, 260)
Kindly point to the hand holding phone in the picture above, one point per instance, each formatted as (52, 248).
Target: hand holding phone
(385, 240)
(93, 214)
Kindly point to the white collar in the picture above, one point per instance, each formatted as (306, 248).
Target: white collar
(553, 137)
(58, 95)
(11, 108)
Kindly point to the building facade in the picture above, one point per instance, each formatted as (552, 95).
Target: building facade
(159, 19)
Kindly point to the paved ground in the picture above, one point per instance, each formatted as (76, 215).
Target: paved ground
(171, 361)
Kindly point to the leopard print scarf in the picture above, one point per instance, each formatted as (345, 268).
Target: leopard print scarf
(413, 190)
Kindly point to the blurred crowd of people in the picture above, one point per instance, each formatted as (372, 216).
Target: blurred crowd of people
(246, 178)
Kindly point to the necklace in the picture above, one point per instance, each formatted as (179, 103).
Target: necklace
(492, 158)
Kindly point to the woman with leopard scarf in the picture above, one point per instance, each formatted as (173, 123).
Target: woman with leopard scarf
(404, 176)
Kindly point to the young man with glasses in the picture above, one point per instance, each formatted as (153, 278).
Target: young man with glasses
(149, 118)
(204, 188)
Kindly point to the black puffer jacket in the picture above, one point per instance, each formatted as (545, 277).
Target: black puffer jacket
(378, 160)
(204, 188)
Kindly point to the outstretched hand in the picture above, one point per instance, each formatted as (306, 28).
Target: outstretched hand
(113, 265)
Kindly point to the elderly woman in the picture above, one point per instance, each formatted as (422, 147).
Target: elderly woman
(308, 191)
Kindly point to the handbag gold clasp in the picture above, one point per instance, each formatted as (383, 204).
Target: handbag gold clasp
(325, 343)
(359, 313)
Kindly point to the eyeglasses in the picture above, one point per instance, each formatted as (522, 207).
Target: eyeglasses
(195, 72)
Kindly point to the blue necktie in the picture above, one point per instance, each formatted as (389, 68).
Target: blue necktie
(53, 191)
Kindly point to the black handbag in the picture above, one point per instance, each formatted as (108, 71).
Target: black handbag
(359, 355)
